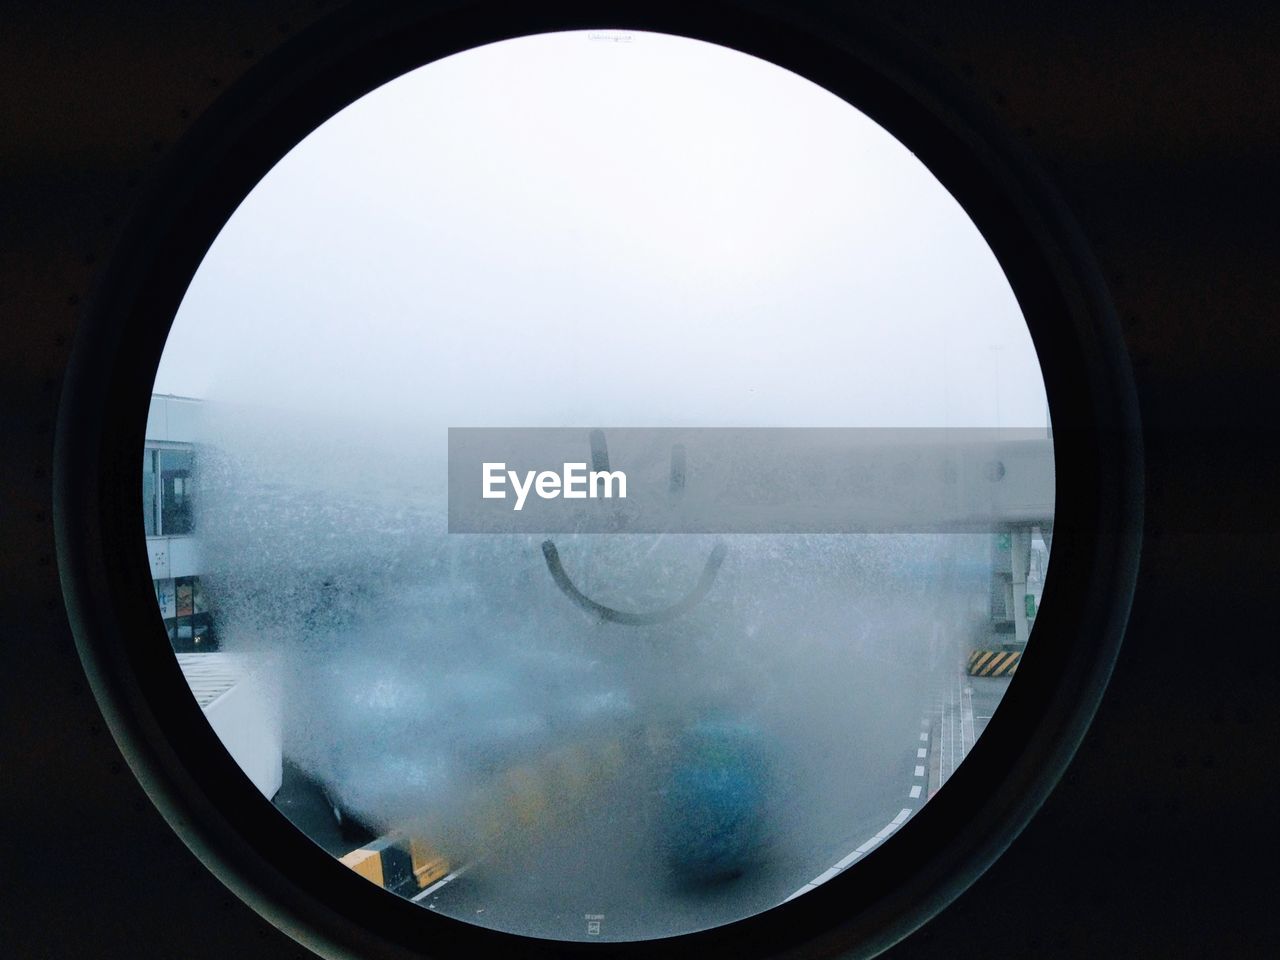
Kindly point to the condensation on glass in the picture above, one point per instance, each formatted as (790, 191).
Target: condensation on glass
(590, 230)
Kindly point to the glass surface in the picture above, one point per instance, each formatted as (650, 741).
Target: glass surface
(594, 229)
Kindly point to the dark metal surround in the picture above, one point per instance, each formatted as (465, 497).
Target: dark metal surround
(106, 582)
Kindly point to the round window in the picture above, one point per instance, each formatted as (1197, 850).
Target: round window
(763, 322)
(597, 488)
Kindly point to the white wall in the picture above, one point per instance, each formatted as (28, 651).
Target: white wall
(240, 697)
(173, 419)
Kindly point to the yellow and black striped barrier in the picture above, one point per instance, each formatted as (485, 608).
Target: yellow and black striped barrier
(993, 663)
(399, 864)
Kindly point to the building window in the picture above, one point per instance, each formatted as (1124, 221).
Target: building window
(176, 492)
(186, 617)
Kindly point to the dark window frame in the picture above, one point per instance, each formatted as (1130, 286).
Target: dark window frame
(122, 643)
(150, 492)
(176, 510)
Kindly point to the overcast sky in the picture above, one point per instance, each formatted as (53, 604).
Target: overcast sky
(617, 230)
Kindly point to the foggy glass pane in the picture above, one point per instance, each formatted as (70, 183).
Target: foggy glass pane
(595, 230)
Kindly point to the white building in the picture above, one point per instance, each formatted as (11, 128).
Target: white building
(168, 499)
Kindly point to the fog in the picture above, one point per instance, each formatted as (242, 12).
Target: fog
(568, 231)
(441, 685)
(556, 231)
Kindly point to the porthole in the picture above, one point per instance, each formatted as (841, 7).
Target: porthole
(557, 730)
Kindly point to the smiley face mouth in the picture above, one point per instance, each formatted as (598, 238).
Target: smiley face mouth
(600, 461)
(613, 615)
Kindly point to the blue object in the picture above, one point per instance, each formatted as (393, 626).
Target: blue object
(715, 811)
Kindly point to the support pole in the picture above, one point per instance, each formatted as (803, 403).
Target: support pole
(1020, 558)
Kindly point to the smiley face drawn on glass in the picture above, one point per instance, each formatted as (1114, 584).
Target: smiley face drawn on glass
(600, 462)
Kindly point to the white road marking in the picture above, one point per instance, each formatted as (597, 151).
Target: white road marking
(919, 770)
(921, 753)
(915, 792)
(957, 731)
(805, 889)
(437, 885)
(924, 737)
(851, 858)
